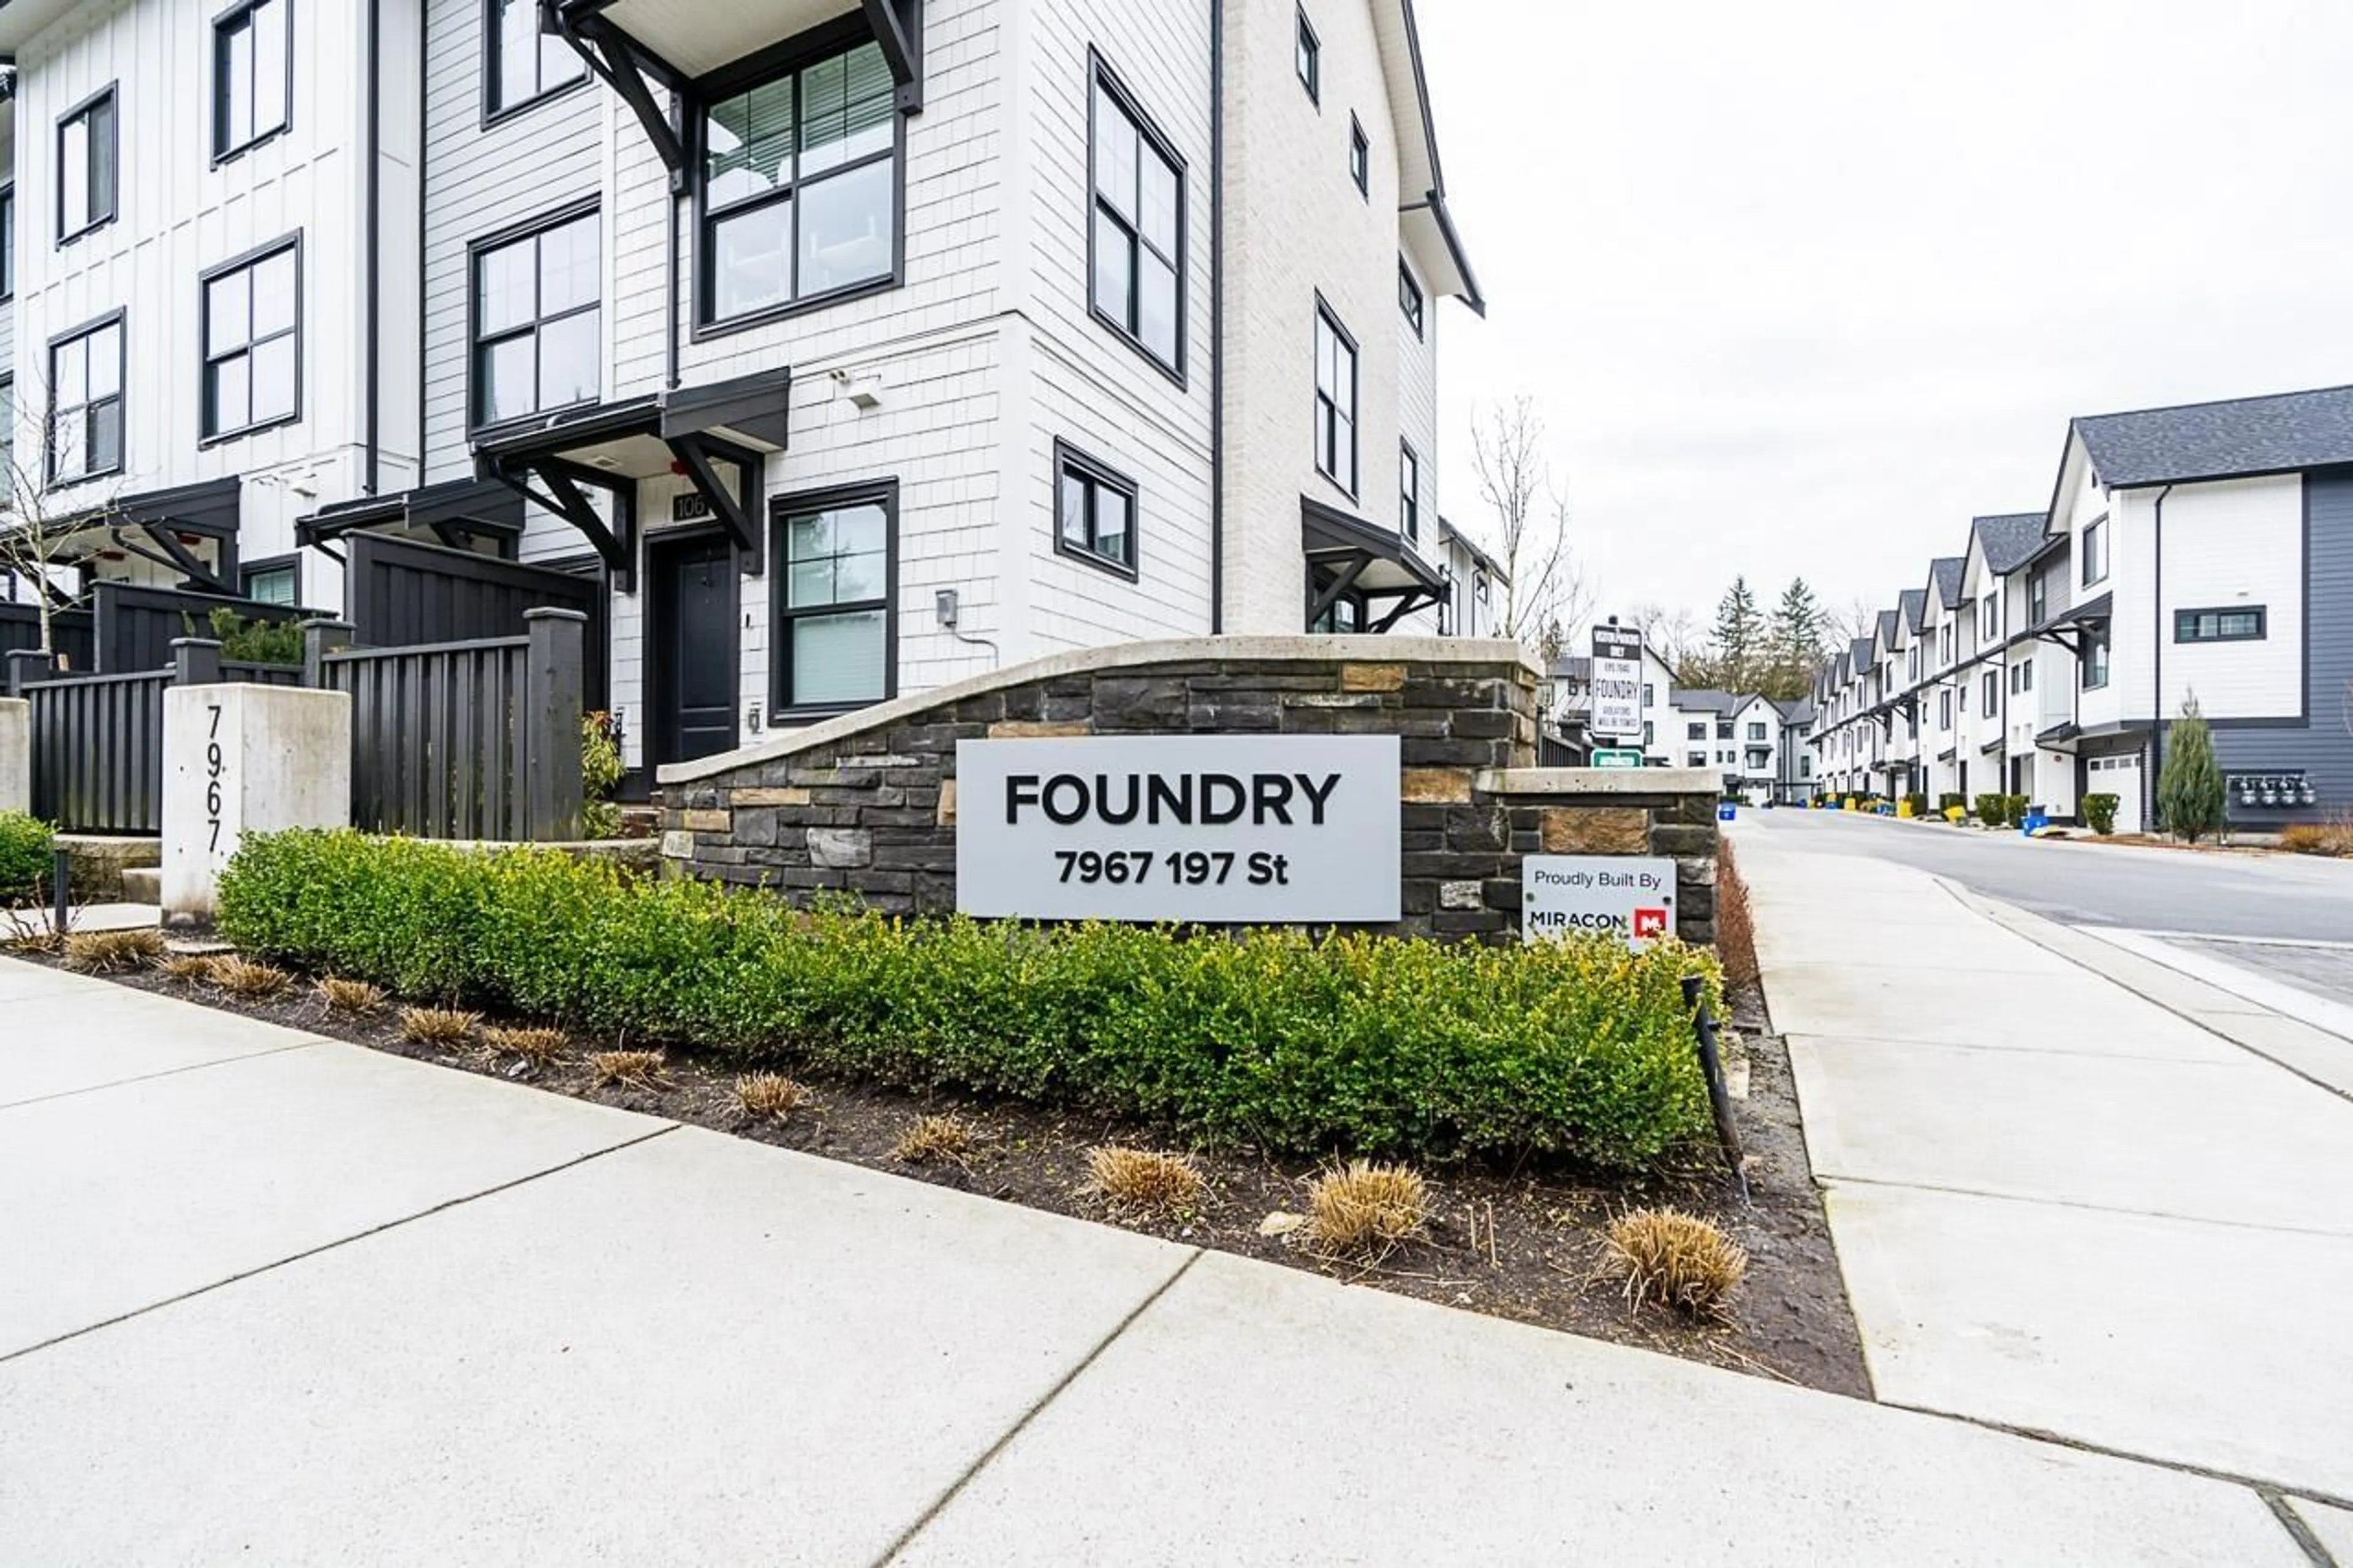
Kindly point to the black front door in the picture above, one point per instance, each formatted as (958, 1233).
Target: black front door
(691, 652)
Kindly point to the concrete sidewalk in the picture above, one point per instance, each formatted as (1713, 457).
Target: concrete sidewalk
(2062, 1204)
(279, 1300)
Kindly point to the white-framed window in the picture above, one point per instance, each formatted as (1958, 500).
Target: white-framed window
(1335, 400)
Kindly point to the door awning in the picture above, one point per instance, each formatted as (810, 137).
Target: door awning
(692, 430)
(456, 513)
(642, 48)
(188, 529)
(1348, 555)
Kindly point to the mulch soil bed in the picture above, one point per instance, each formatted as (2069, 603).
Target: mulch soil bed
(1526, 1244)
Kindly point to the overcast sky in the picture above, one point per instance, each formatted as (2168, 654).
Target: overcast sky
(1801, 287)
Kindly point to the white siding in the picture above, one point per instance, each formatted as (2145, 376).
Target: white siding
(2234, 546)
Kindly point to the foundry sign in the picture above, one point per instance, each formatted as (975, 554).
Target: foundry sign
(1214, 828)
(1617, 709)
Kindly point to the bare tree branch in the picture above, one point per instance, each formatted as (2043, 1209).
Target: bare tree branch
(1548, 593)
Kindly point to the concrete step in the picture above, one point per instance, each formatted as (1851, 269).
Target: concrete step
(142, 884)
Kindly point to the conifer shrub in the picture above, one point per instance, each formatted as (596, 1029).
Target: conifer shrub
(1345, 1043)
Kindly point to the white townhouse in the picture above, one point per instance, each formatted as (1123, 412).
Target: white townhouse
(821, 351)
(2200, 551)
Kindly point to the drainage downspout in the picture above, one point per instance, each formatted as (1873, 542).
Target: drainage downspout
(2156, 664)
(670, 286)
(1216, 317)
(373, 188)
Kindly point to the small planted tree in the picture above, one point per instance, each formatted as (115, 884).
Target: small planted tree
(2191, 795)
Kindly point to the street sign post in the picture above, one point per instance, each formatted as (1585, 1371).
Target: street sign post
(1617, 683)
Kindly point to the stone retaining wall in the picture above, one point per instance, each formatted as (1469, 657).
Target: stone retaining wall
(867, 802)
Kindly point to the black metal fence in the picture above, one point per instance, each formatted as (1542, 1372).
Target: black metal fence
(472, 739)
(72, 634)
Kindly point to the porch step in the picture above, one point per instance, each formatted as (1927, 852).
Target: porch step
(142, 884)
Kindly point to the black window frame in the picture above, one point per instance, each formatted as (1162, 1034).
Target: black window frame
(1326, 317)
(1697, 731)
(1353, 601)
(1989, 617)
(269, 565)
(119, 319)
(1098, 475)
(1756, 732)
(9, 413)
(1307, 58)
(2038, 598)
(1409, 492)
(884, 493)
(790, 57)
(8, 240)
(493, 110)
(1411, 302)
(209, 432)
(531, 229)
(2185, 628)
(238, 18)
(1360, 157)
(1103, 80)
(111, 97)
(2095, 641)
(2095, 551)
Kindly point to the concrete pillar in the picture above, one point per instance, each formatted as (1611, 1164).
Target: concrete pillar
(241, 759)
(15, 755)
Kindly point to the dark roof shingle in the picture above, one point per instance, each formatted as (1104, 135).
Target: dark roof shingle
(2269, 434)
(2010, 540)
(1912, 606)
(1945, 572)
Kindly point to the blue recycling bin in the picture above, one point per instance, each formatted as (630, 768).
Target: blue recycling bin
(1725, 811)
(2035, 822)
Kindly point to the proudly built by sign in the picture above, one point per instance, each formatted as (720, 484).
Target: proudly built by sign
(1205, 827)
(1608, 895)
(1617, 683)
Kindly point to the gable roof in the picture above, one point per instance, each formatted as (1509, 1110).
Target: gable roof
(2009, 540)
(1912, 606)
(1425, 219)
(2276, 434)
(1888, 621)
(1945, 572)
(1797, 710)
(1859, 653)
(1706, 700)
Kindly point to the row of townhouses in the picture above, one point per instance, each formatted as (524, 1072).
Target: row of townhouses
(2198, 553)
(1758, 744)
(823, 350)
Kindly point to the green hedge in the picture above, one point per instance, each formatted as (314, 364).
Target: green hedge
(1296, 1045)
(24, 845)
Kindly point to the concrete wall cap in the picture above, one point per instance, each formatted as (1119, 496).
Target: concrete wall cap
(1334, 650)
(1599, 781)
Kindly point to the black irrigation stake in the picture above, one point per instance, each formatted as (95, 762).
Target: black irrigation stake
(61, 893)
(1711, 1066)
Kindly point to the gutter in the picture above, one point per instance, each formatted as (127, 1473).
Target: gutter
(372, 416)
(1216, 318)
(2156, 665)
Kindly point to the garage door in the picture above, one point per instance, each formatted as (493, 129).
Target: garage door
(2118, 776)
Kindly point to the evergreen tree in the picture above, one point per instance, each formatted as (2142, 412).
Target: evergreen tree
(1795, 642)
(2191, 798)
(1739, 637)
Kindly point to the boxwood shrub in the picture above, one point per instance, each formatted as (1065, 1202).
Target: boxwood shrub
(1292, 1043)
(24, 845)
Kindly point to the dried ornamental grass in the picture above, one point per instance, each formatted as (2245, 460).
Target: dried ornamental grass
(936, 1139)
(350, 995)
(113, 952)
(437, 1025)
(1364, 1206)
(253, 982)
(1144, 1179)
(188, 968)
(539, 1046)
(1676, 1259)
(770, 1095)
(629, 1070)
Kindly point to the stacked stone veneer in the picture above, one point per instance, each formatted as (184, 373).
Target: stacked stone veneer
(867, 804)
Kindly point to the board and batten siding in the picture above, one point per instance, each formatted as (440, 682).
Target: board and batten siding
(179, 214)
(2228, 546)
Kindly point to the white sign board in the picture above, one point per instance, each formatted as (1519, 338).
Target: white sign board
(1615, 895)
(1617, 683)
(1179, 827)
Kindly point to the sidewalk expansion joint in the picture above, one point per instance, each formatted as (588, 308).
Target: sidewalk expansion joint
(2298, 1532)
(2273, 1492)
(167, 1072)
(275, 1264)
(1827, 1179)
(939, 1505)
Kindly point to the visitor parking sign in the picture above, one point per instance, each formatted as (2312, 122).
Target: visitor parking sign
(1609, 895)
